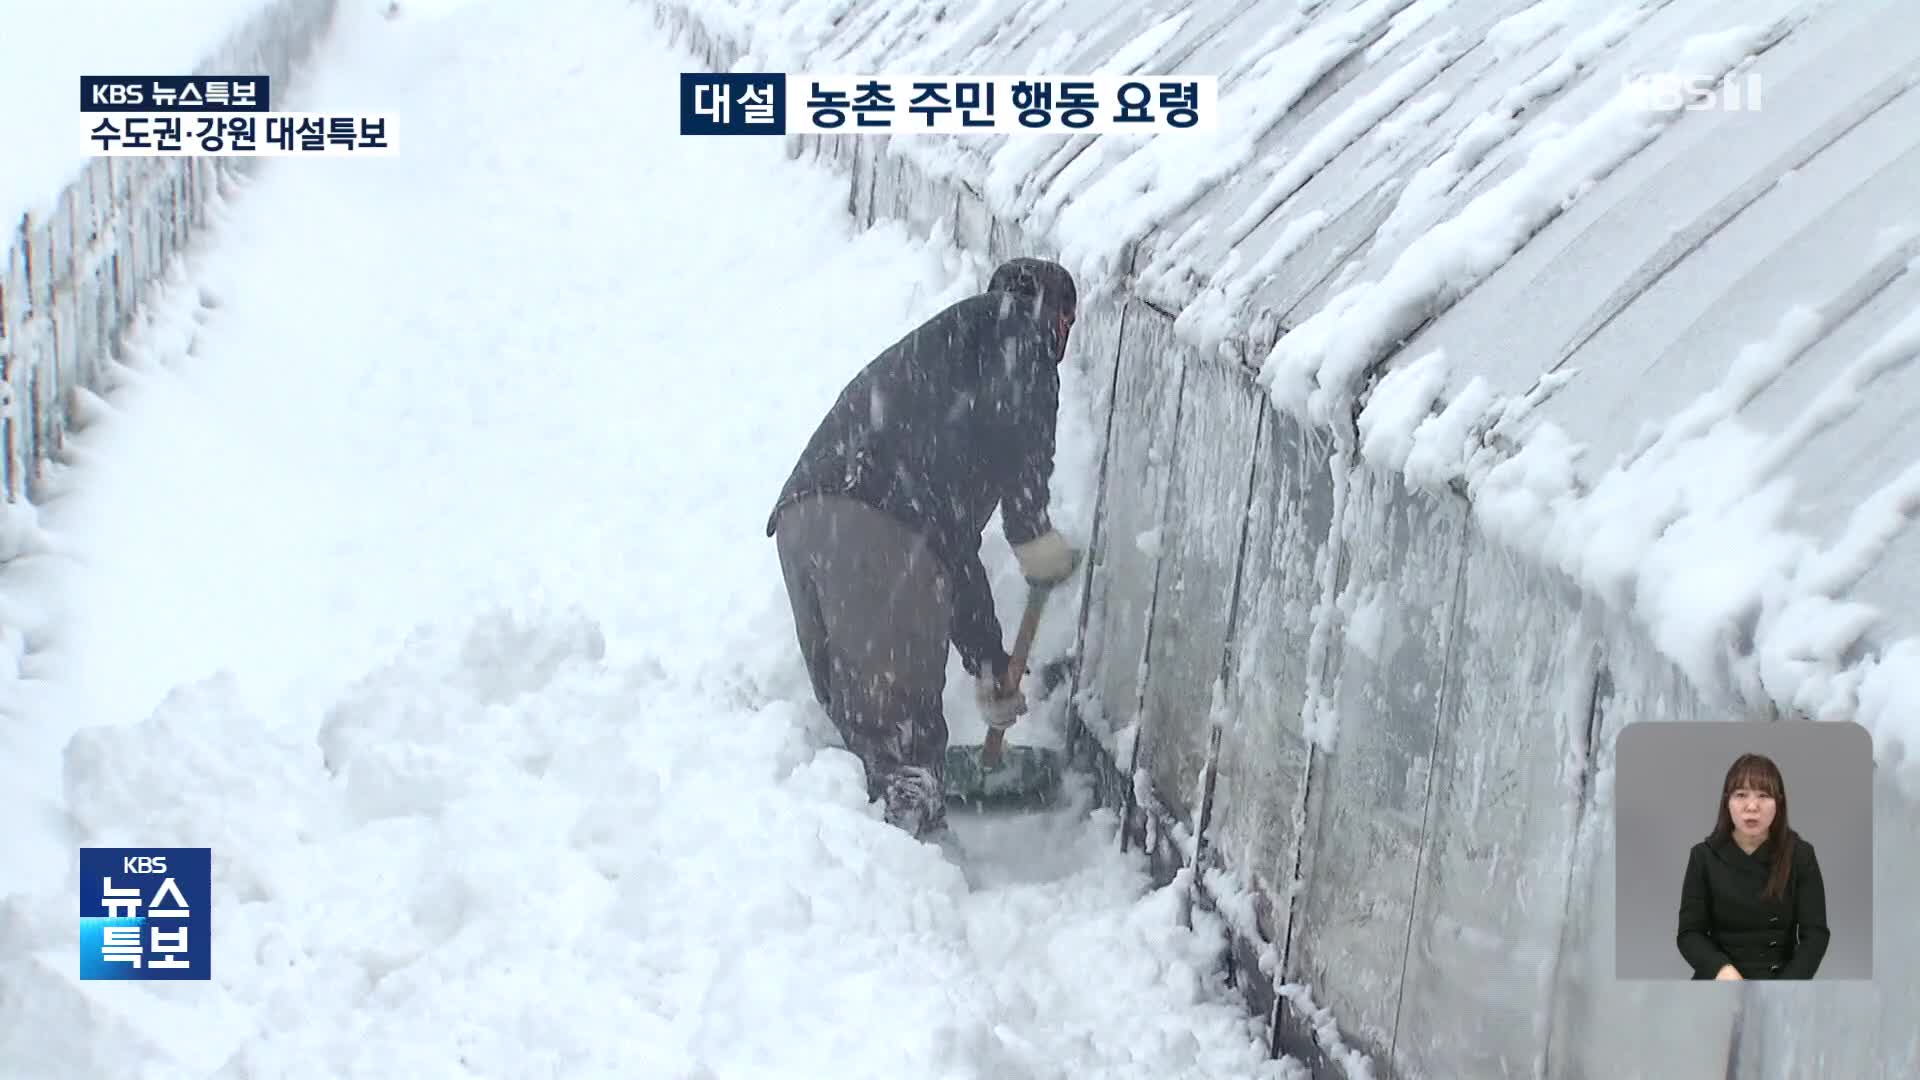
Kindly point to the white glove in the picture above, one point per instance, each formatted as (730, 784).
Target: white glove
(1047, 559)
(1000, 709)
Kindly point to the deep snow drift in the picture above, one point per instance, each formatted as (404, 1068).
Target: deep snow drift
(416, 567)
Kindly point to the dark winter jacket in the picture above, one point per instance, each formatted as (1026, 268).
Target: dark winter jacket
(1725, 920)
(949, 422)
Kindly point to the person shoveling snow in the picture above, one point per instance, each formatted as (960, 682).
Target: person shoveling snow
(879, 525)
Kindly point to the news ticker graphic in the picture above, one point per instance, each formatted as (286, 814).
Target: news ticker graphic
(775, 103)
(239, 135)
(145, 913)
(217, 116)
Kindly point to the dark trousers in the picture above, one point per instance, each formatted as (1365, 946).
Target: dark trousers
(872, 609)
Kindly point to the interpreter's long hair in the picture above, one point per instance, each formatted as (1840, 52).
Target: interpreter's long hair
(1757, 772)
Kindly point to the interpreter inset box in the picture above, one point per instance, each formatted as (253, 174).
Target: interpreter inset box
(1743, 850)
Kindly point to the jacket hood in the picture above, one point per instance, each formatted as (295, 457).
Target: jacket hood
(1047, 284)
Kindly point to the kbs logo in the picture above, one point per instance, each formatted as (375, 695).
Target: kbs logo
(117, 94)
(144, 913)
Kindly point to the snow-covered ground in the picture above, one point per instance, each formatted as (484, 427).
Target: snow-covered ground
(416, 566)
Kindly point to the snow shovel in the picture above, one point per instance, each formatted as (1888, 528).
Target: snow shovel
(994, 774)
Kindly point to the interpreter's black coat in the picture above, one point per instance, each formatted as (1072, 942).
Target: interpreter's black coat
(1724, 919)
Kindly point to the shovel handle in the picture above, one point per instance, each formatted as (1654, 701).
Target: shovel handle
(990, 753)
(1017, 664)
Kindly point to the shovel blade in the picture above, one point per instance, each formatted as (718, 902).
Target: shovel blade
(1025, 776)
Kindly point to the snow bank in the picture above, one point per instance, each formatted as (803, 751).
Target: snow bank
(498, 848)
